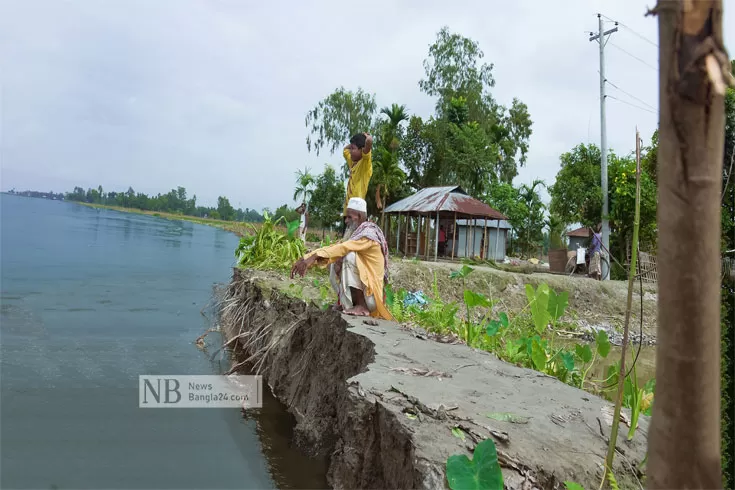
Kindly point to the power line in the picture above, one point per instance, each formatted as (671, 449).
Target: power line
(634, 56)
(631, 95)
(633, 31)
(632, 105)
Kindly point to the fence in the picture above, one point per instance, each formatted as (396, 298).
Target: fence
(647, 267)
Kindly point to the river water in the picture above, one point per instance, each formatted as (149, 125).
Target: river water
(91, 299)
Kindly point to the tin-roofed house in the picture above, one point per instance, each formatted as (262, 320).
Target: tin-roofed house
(466, 227)
(578, 237)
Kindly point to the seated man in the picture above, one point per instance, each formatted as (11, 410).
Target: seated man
(358, 266)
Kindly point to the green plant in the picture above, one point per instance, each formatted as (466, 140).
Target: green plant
(268, 248)
(482, 472)
(585, 354)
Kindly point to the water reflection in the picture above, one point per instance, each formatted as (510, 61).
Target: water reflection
(288, 466)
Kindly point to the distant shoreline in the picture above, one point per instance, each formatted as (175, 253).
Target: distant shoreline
(236, 227)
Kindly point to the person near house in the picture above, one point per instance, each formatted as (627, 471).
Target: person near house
(442, 241)
(595, 249)
(359, 158)
(302, 226)
(358, 267)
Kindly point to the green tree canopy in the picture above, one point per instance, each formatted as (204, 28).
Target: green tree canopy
(337, 117)
(328, 198)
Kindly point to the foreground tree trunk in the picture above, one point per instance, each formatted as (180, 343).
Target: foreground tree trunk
(684, 437)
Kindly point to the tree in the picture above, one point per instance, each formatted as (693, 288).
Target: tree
(576, 195)
(529, 229)
(388, 177)
(418, 154)
(304, 186)
(328, 198)
(336, 118)
(455, 72)
(225, 209)
(684, 436)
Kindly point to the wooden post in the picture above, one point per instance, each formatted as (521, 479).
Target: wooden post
(454, 234)
(428, 235)
(497, 239)
(436, 240)
(398, 232)
(485, 245)
(684, 435)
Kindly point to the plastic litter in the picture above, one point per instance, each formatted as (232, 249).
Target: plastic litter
(415, 298)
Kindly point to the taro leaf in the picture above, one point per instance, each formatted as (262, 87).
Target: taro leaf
(557, 304)
(603, 343)
(538, 355)
(583, 352)
(461, 273)
(504, 320)
(473, 299)
(568, 359)
(539, 302)
(481, 473)
(493, 327)
(458, 432)
(570, 485)
(508, 417)
(293, 226)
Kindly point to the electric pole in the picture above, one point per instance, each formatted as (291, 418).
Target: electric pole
(601, 38)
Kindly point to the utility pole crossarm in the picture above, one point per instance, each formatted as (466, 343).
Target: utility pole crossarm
(594, 37)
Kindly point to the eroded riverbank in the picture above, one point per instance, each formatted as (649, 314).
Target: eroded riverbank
(381, 402)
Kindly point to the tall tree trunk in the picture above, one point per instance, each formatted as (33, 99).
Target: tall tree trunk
(684, 437)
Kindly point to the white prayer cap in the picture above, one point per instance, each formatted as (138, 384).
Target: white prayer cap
(357, 204)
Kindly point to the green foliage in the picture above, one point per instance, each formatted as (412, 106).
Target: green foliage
(268, 248)
(482, 472)
(539, 301)
(327, 200)
(174, 202)
(576, 195)
(570, 485)
(337, 117)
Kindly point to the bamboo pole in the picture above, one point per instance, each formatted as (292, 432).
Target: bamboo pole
(626, 329)
(684, 435)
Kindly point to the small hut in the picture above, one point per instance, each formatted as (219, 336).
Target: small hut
(578, 237)
(463, 221)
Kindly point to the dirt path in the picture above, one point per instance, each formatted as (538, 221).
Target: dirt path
(382, 401)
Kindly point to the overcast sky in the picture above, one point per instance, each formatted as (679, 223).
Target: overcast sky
(212, 95)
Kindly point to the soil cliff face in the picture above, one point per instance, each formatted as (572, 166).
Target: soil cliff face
(381, 402)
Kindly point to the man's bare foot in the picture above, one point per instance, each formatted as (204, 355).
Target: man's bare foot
(358, 311)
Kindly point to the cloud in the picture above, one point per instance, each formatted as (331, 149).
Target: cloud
(211, 95)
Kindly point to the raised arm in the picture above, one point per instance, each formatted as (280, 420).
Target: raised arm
(368, 143)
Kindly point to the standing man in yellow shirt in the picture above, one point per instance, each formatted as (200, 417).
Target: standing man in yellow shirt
(359, 157)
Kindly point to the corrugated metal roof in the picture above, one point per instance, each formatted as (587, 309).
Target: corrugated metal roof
(449, 199)
(580, 232)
